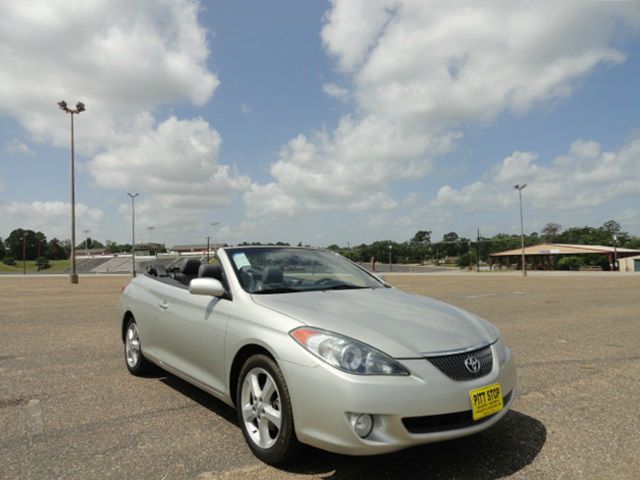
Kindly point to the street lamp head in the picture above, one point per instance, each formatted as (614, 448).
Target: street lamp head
(520, 187)
(133, 195)
(63, 105)
(80, 107)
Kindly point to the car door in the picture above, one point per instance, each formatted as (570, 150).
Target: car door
(191, 331)
(144, 300)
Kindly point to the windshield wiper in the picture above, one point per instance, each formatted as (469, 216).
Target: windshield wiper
(343, 286)
(276, 290)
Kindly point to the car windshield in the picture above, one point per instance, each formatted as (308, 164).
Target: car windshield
(288, 270)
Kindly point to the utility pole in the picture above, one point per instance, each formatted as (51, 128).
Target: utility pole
(524, 264)
(208, 239)
(390, 264)
(133, 232)
(615, 252)
(79, 108)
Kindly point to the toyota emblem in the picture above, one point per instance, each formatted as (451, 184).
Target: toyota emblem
(472, 364)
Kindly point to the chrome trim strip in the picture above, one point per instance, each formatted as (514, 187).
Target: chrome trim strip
(458, 351)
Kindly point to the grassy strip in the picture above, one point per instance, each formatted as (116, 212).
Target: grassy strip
(57, 266)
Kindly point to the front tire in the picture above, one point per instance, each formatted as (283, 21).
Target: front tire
(264, 411)
(133, 357)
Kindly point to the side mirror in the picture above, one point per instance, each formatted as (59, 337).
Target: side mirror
(206, 286)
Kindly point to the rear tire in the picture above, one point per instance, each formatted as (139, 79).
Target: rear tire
(264, 411)
(136, 363)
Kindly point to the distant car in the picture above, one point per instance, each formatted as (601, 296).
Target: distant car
(311, 348)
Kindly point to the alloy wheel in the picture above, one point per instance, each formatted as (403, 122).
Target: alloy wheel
(132, 345)
(261, 410)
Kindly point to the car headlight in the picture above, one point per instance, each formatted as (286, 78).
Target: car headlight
(345, 353)
(502, 352)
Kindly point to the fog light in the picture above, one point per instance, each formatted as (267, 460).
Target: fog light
(363, 425)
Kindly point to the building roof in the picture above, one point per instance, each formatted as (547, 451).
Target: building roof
(563, 249)
(195, 247)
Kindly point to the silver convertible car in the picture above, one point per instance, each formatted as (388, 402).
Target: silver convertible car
(310, 348)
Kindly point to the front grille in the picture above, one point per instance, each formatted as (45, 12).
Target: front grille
(448, 421)
(453, 366)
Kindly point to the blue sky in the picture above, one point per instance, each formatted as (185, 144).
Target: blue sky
(320, 122)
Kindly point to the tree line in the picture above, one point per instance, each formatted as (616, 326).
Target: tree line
(29, 245)
(466, 251)
(420, 248)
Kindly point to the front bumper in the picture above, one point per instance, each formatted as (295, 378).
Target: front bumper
(324, 400)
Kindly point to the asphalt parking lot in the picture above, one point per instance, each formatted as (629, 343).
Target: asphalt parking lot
(69, 409)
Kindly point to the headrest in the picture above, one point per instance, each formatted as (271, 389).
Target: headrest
(190, 267)
(211, 271)
(271, 275)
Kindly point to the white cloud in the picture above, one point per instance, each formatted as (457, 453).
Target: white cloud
(175, 169)
(585, 177)
(336, 91)
(1, 185)
(246, 108)
(120, 58)
(124, 60)
(17, 147)
(419, 72)
(348, 169)
(52, 218)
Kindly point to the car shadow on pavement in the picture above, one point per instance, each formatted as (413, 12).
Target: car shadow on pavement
(218, 407)
(502, 450)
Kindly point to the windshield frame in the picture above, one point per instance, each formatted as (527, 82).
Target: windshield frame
(372, 280)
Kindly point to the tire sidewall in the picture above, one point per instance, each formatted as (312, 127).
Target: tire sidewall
(287, 443)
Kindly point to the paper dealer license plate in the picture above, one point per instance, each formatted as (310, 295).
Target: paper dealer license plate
(486, 401)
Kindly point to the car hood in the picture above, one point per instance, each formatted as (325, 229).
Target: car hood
(400, 324)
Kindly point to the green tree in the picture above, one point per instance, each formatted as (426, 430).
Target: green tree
(2, 250)
(14, 244)
(612, 227)
(450, 239)
(41, 243)
(56, 250)
(422, 236)
(550, 232)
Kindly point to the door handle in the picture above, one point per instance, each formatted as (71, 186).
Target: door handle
(163, 305)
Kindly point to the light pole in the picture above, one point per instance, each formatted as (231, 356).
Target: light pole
(72, 111)
(133, 232)
(524, 265)
(86, 242)
(390, 264)
(208, 237)
(615, 252)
